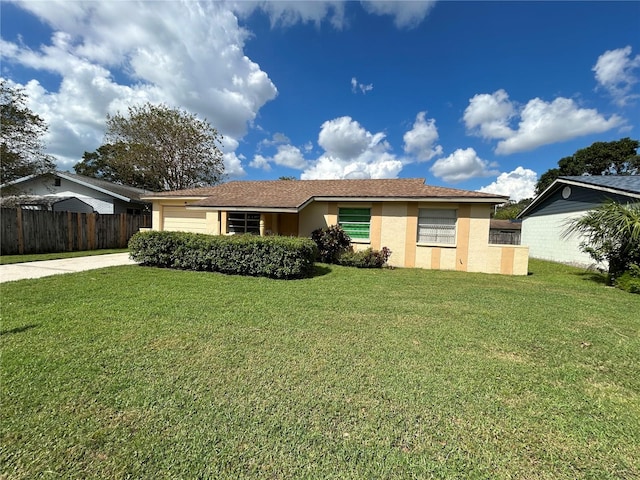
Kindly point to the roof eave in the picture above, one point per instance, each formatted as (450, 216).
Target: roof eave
(229, 208)
(93, 187)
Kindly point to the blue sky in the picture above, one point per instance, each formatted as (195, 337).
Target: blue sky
(473, 95)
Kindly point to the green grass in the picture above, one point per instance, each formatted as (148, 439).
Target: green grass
(134, 372)
(36, 257)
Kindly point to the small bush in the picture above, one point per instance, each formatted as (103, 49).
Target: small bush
(629, 281)
(273, 257)
(332, 242)
(368, 258)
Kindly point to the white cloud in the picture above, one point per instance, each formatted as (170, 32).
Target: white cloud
(344, 138)
(289, 156)
(166, 48)
(540, 123)
(288, 14)
(614, 71)
(488, 115)
(420, 140)
(406, 14)
(261, 162)
(352, 152)
(462, 165)
(355, 86)
(517, 184)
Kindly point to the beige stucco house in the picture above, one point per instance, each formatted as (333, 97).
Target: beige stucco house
(424, 226)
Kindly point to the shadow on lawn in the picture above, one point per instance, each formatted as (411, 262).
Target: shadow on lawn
(591, 276)
(17, 329)
(320, 270)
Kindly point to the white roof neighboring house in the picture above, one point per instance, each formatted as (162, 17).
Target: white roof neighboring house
(103, 196)
(546, 219)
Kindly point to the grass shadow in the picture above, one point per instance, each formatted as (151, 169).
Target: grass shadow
(591, 276)
(320, 270)
(17, 329)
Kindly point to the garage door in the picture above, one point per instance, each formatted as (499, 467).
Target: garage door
(179, 219)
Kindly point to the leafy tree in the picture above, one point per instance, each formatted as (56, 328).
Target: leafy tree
(287, 177)
(157, 148)
(601, 158)
(612, 234)
(511, 210)
(21, 147)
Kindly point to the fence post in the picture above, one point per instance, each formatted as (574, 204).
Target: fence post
(19, 231)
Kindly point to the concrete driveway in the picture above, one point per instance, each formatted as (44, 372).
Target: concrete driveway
(45, 268)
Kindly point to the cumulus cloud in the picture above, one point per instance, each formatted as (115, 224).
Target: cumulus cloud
(165, 50)
(355, 86)
(462, 165)
(351, 151)
(345, 138)
(420, 140)
(405, 14)
(542, 123)
(539, 123)
(488, 115)
(517, 184)
(615, 71)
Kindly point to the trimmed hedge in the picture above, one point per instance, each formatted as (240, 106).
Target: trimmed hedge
(250, 255)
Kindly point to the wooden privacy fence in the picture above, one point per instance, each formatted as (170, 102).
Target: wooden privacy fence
(38, 231)
(509, 237)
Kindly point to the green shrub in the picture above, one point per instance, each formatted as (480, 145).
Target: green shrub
(368, 258)
(332, 242)
(629, 281)
(273, 257)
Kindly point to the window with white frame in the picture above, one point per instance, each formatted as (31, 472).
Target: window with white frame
(356, 222)
(437, 226)
(243, 222)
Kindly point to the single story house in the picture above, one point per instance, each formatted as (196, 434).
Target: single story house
(424, 226)
(102, 196)
(545, 220)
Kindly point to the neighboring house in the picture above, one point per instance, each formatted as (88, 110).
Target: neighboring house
(102, 196)
(49, 203)
(424, 226)
(545, 220)
(505, 232)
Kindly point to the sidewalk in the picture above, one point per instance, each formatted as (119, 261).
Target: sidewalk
(45, 268)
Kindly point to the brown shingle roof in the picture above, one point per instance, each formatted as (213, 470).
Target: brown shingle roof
(293, 194)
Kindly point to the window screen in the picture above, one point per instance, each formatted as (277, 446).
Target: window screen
(437, 226)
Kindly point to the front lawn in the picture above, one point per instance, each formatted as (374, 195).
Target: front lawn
(135, 372)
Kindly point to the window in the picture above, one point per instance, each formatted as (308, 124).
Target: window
(355, 222)
(57, 182)
(437, 226)
(243, 222)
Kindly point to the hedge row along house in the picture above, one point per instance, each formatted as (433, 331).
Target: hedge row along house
(424, 226)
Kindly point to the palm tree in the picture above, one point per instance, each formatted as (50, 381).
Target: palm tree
(612, 234)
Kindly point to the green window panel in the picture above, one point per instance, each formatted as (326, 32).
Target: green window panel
(355, 221)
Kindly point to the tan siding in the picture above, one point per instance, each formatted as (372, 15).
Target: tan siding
(375, 232)
(462, 237)
(393, 232)
(182, 220)
(411, 235)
